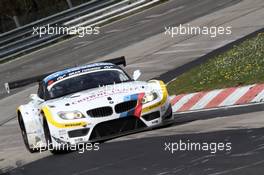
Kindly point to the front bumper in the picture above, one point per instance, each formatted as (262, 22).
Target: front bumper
(113, 127)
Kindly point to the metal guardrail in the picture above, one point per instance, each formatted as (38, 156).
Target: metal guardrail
(65, 15)
(21, 40)
(122, 7)
(18, 40)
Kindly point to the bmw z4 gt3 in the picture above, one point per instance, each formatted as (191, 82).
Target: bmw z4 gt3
(88, 103)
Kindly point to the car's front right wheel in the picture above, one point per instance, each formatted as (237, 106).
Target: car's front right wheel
(24, 134)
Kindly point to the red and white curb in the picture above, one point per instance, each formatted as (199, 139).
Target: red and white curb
(218, 98)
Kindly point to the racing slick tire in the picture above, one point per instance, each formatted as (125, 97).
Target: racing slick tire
(49, 142)
(168, 117)
(24, 134)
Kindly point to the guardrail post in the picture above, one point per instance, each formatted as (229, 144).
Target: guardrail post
(69, 3)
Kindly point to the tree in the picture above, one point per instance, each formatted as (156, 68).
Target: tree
(11, 9)
(69, 3)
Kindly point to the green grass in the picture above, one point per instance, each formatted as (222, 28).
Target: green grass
(241, 65)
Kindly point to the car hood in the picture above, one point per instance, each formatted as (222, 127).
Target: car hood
(109, 95)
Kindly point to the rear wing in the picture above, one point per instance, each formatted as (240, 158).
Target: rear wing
(38, 78)
(116, 61)
(24, 82)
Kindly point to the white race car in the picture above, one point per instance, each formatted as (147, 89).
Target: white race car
(89, 103)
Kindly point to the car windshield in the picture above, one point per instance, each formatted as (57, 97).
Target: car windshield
(86, 81)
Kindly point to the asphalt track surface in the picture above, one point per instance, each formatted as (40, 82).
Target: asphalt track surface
(113, 37)
(150, 156)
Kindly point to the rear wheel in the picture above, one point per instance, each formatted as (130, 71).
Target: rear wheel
(24, 135)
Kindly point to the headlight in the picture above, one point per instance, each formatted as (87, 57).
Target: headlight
(70, 115)
(149, 97)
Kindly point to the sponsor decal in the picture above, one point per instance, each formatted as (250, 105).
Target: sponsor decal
(77, 70)
(107, 92)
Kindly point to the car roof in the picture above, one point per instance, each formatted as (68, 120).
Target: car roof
(77, 70)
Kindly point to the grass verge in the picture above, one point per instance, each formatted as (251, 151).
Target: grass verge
(241, 65)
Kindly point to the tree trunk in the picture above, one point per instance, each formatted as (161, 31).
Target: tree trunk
(15, 18)
(69, 3)
(35, 5)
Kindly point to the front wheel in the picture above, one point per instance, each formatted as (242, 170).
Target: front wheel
(49, 142)
(167, 118)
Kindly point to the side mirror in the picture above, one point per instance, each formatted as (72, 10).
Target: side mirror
(136, 74)
(35, 97)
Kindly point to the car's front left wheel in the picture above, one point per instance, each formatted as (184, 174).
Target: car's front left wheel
(49, 141)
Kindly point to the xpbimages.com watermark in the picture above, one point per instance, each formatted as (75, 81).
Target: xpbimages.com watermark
(187, 29)
(182, 146)
(63, 30)
(80, 147)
